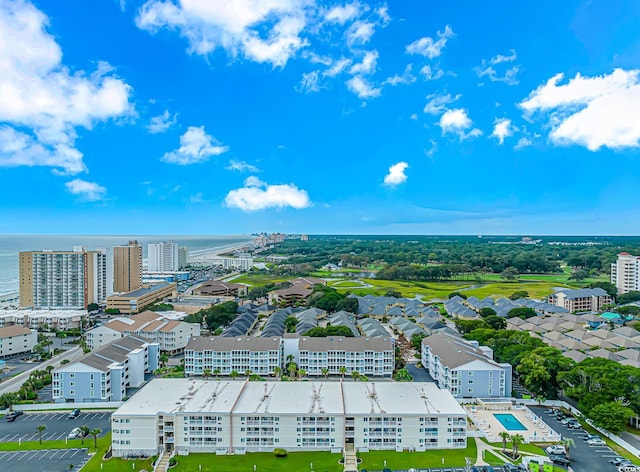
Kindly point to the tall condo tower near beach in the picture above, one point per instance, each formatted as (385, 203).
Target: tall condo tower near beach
(163, 257)
(127, 267)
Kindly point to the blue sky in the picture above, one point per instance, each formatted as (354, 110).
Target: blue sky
(399, 117)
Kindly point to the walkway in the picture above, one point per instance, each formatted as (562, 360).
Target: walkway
(350, 459)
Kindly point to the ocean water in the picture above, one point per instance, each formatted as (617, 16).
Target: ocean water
(11, 245)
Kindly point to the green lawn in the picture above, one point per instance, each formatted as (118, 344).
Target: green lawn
(258, 279)
(531, 448)
(264, 461)
(536, 289)
(58, 444)
(405, 460)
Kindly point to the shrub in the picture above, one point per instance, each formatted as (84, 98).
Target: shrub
(173, 462)
(279, 452)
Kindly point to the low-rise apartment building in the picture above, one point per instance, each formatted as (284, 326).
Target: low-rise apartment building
(44, 320)
(15, 340)
(171, 335)
(215, 288)
(464, 368)
(189, 415)
(585, 299)
(136, 300)
(222, 355)
(296, 294)
(625, 273)
(105, 374)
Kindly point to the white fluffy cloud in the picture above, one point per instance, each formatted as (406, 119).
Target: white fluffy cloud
(396, 174)
(309, 82)
(431, 73)
(594, 112)
(406, 78)
(359, 33)
(241, 166)
(260, 30)
(89, 191)
(161, 123)
(457, 122)
(41, 101)
(368, 65)
(195, 146)
(257, 195)
(502, 128)
(341, 14)
(362, 87)
(437, 104)
(509, 74)
(429, 47)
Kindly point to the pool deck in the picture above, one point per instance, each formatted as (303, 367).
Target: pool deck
(537, 430)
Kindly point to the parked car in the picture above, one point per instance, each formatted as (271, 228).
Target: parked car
(487, 468)
(13, 415)
(556, 450)
(74, 414)
(596, 442)
(588, 436)
(574, 425)
(75, 433)
(551, 411)
(621, 461)
(559, 459)
(511, 468)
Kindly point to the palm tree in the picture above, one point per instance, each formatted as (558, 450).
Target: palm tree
(290, 358)
(163, 360)
(40, 429)
(325, 372)
(247, 373)
(342, 370)
(234, 374)
(355, 375)
(292, 367)
(95, 432)
(302, 373)
(364, 378)
(568, 444)
(85, 432)
(277, 371)
(206, 373)
(216, 372)
(505, 437)
(516, 440)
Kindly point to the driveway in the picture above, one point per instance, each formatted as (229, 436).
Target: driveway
(57, 424)
(47, 460)
(584, 458)
(419, 374)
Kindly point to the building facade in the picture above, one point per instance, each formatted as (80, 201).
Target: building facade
(163, 257)
(585, 299)
(136, 300)
(464, 368)
(127, 267)
(183, 257)
(105, 375)
(625, 273)
(171, 335)
(15, 340)
(221, 355)
(62, 279)
(44, 320)
(188, 415)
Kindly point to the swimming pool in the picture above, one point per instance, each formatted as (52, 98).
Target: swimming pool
(509, 422)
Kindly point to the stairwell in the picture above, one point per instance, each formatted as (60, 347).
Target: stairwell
(350, 458)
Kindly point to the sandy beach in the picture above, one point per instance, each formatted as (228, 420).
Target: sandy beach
(214, 253)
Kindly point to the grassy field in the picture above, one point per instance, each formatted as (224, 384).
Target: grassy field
(407, 289)
(264, 462)
(258, 279)
(535, 289)
(405, 460)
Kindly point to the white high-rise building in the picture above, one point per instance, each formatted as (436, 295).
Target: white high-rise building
(625, 273)
(183, 257)
(63, 279)
(163, 257)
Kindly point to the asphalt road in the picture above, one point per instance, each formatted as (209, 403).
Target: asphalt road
(57, 424)
(419, 374)
(584, 458)
(47, 460)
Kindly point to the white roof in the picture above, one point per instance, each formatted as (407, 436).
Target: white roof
(182, 395)
(398, 398)
(291, 398)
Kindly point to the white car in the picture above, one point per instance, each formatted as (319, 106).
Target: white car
(596, 442)
(557, 449)
(75, 433)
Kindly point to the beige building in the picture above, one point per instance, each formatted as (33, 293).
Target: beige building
(585, 299)
(214, 288)
(17, 340)
(136, 300)
(62, 279)
(171, 335)
(127, 267)
(43, 320)
(297, 294)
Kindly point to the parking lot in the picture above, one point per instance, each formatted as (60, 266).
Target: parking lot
(57, 424)
(584, 458)
(47, 460)
(444, 469)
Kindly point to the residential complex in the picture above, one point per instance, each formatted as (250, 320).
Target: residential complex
(214, 288)
(44, 320)
(189, 415)
(464, 368)
(127, 267)
(62, 279)
(585, 299)
(241, 263)
(220, 355)
(16, 340)
(105, 375)
(171, 335)
(136, 300)
(297, 293)
(163, 257)
(625, 273)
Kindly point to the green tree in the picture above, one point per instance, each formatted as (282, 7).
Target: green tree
(257, 293)
(216, 372)
(608, 287)
(39, 430)
(628, 297)
(393, 294)
(516, 441)
(163, 359)
(355, 375)
(234, 374)
(568, 445)
(485, 312)
(206, 373)
(505, 437)
(519, 294)
(416, 340)
(611, 416)
(467, 326)
(342, 370)
(457, 294)
(277, 372)
(93, 307)
(510, 274)
(292, 368)
(325, 372)
(579, 275)
(290, 323)
(95, 432)
(533, 373)
(522, 312)
(85, 432)
(496, 322)
(302, 373)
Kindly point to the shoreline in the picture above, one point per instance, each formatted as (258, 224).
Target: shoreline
(204, 255)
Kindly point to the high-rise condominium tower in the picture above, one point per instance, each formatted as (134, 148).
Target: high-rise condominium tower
(163, 257)
(127, 267)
